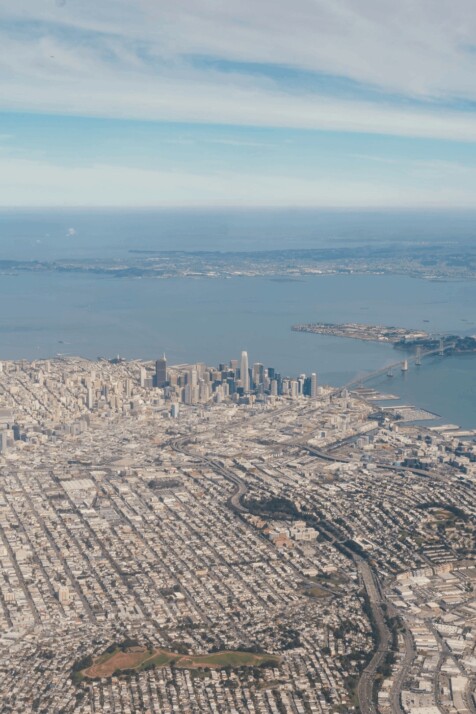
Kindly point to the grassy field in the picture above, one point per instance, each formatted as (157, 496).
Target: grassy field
(139, 659)
(317, 592)
(226, 659)
(107, 664)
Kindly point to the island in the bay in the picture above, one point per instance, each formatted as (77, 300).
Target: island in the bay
(399, 337)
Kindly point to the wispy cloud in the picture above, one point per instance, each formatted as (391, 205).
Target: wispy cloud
(43, 183)
(189, 141)
(126, 59)
(435, 167)
(250, 82)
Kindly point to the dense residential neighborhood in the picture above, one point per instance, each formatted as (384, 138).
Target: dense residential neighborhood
(300, 523)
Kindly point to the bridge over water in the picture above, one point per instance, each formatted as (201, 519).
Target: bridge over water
(415, 359)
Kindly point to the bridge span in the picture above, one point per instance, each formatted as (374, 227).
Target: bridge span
(415, 359)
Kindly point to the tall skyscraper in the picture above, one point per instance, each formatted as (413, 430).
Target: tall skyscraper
(142, 377)
(258, 374)
(244, 372)
(161, 372)
(313, 384)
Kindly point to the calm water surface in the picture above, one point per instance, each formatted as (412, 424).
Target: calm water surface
(213, 320)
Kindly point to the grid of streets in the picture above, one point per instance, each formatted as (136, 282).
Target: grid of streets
(298, 527)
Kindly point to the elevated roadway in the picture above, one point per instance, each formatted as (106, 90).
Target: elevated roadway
(362, 379)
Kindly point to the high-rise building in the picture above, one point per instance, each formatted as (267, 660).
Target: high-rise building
(313, 384)
(204, 391)
(258, 374)
(244, 372)
(187, 394)
(161, 372)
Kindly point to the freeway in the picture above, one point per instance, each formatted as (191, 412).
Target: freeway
(326, 456)
(399, 681)
(365, 687)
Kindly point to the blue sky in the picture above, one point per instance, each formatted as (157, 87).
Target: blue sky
(205, 102)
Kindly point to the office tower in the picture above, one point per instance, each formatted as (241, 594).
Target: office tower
(274, 388)
(244, 372)
(293, 389)
(161, 372)
(201, 368)
(142, 377)
(175, 410)
(234, 365)
(204, 391)
(187, 394)
(313, 384)
(258, 374)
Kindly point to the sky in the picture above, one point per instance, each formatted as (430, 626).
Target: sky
(335, 103)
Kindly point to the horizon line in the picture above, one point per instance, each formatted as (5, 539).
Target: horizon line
(470, 207)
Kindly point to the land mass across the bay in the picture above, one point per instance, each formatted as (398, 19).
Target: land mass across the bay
(447, 263)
